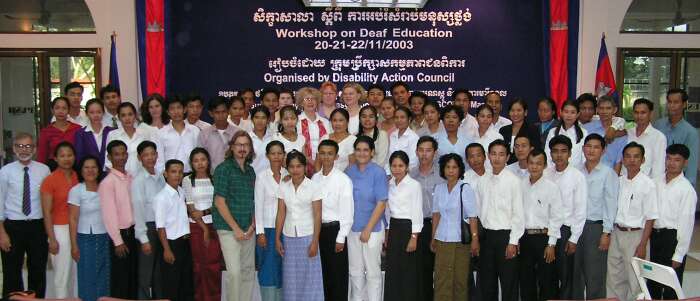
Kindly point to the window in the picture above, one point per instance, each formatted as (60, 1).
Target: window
(649, 73)
(672, 16)
(53, 16)
(30, 79)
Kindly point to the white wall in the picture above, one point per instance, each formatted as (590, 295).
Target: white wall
(605, 16)
(109, 16)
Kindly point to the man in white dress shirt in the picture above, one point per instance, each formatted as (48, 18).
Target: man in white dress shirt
(463, 98)
(146, 184)
(572, 186)
(111, 97)
(493, 100)
(673, 229)
(174, 234)
(178, 138)
(336, 216)
(501, 213)
(653, 140)
(74, 92)
(636, 211)
(543, 220)
(476, 159)
(193, 109)
(21, 220)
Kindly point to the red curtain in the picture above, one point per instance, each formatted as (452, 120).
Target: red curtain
(558, 50)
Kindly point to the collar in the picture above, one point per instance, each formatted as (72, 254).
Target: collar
(88, 128)
(170, 190)
(119, 174)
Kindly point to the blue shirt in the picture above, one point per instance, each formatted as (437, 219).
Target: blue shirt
(603, 186)
(446, 147)
(613, 151)
(446, 203)
(682, 133)
(369, 187)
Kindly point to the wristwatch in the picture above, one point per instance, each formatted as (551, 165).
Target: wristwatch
(413, 235)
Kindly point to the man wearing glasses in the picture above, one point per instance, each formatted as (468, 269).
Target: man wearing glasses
(21, 220)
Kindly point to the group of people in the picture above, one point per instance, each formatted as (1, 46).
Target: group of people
(320, 197)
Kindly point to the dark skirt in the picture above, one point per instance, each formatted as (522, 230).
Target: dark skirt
(93, 266)
(403, 274)
(269, 262)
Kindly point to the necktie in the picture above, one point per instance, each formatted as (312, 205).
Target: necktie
(114, 122)
(26, 204)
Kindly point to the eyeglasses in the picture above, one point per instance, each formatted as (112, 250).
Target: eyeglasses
(24, 146)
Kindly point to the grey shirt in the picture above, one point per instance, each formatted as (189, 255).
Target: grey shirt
(427, 183)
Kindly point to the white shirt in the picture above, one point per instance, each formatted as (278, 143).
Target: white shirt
(82, 119)
(314, 131)
(200, 124)
(576, 158)
(244, 124)
(541, 203)
(520, 172)
(299, 218)
(654, 143)
(469, 126)
(265, 200)
(637, 201)
(677, 201)
(108, 119)
(407, 143)
(501, 122)
(345, 149)
(574, 197)
(12, 190)
(90, 219)
(491, 135)
(501, 203)
(290, 145)
(472, 178)
(338, 204)
(260, 161)
(132, 163)
(354, 124)
(406, 202)
(171, 212)
(144, 188)
(201, 196)
(174, 145)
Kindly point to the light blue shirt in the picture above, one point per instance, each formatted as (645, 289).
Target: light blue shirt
(369, 187)
(144, 188)
(682, 133)
(446, 147)
(12, 190)
(446, 203)
(90, 220)
(613, 151)
(603, 187)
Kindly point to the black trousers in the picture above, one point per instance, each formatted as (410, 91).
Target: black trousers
(27, 237)
(403, 274)
(124, 280)
(565, 265)
(493, 266)
(427, 258)
(662, 246)
(178, 282)
(538, 279)
(149, 266)
(333, 265)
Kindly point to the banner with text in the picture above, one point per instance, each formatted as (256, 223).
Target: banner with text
(217, 47)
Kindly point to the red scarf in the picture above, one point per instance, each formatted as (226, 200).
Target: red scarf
(307, 147)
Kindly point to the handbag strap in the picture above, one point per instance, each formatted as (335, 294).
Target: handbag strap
(461, 202)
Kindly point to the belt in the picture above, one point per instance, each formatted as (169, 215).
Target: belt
(596, 222)
(626, 229)
(659, 230)
(427, 219)
(536, 231)
(330, 224)
(184, 237)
